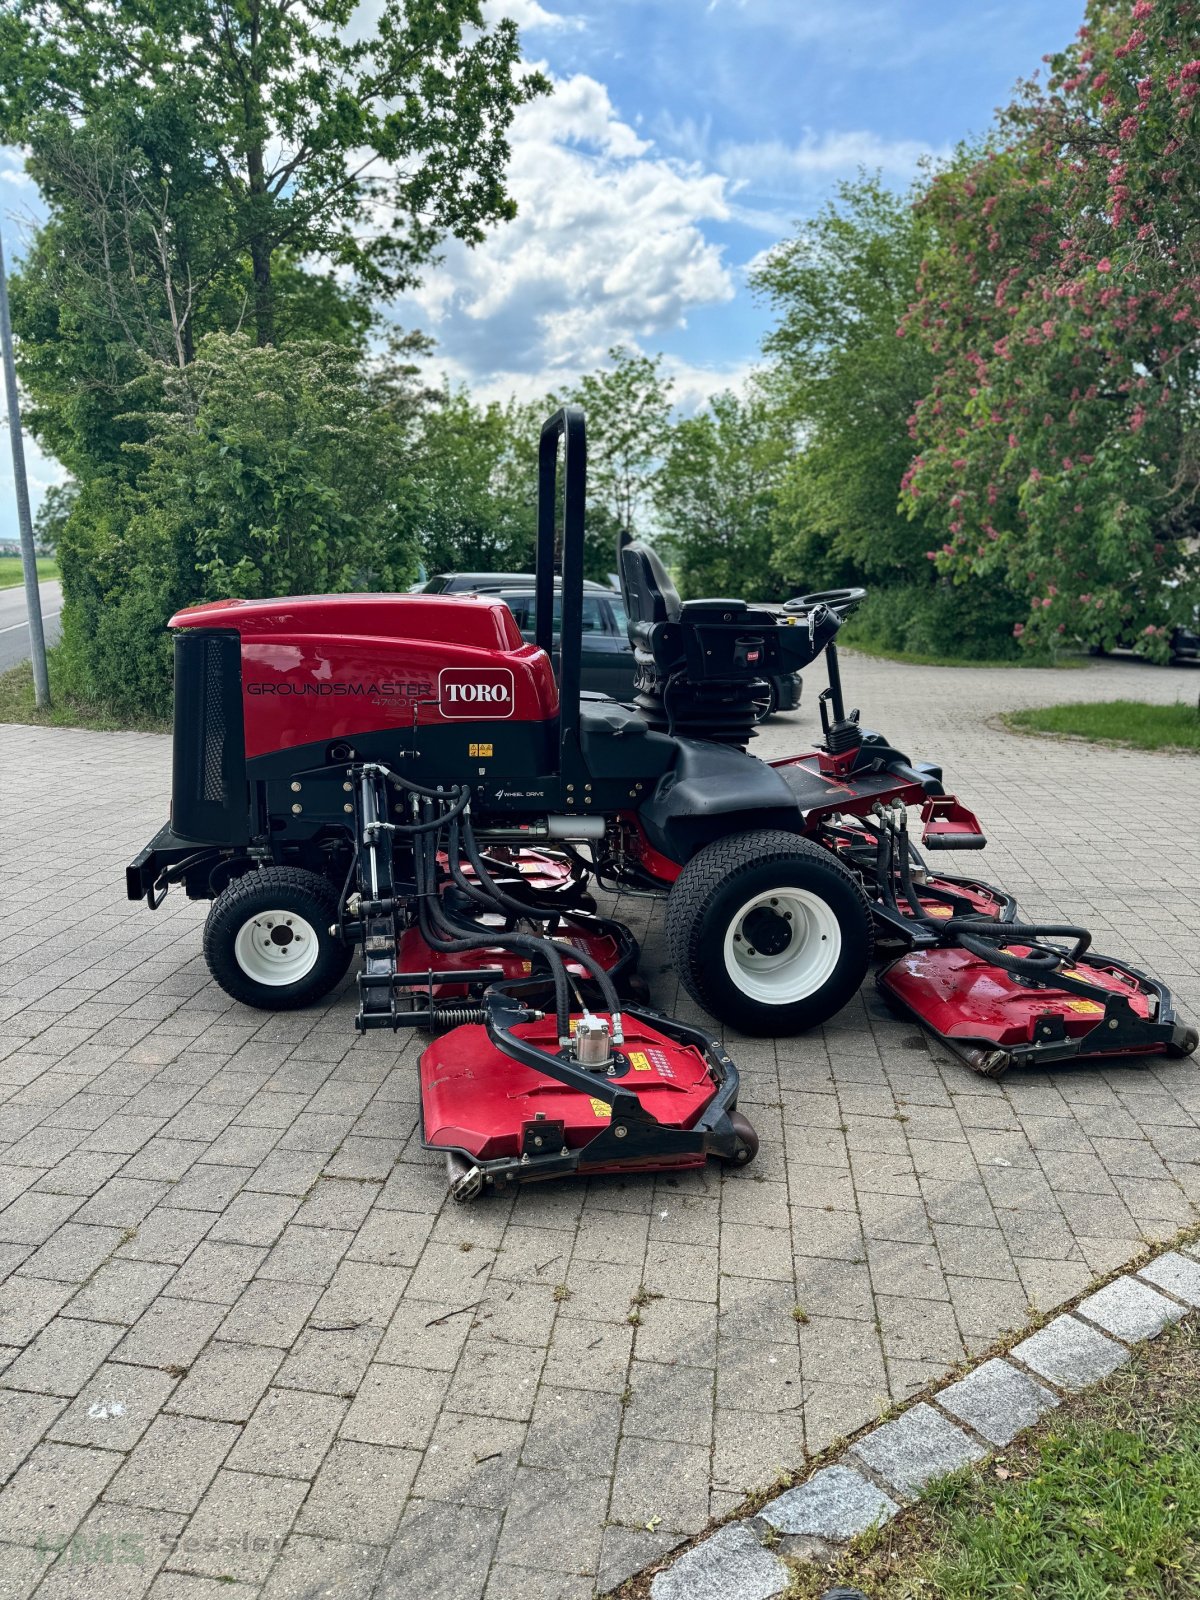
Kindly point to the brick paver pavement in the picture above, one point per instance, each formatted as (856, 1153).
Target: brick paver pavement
(247, 1338)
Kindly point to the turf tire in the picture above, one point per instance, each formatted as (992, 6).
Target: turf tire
(705, 905)
(287, 889)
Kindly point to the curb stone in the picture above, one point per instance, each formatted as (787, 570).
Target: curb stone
(994, 1403)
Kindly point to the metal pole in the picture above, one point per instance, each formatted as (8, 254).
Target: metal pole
(33, 598)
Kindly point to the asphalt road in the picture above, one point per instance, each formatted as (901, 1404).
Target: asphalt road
(14, 630)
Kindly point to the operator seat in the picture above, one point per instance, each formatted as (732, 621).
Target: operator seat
(699, 662)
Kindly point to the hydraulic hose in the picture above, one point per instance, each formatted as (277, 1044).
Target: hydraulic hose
(448, 938)
(984, 936)
(607, 988)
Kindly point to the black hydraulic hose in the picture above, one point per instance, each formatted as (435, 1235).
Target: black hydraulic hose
(985, 936)
(430, 912)
(585, 959)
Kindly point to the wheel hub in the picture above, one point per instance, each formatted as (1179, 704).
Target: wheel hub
(766, 931)
(276, 947)
(783, 945)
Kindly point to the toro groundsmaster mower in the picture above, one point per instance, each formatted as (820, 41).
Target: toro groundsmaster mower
(402, 775)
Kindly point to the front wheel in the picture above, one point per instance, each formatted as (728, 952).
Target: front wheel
(769, 932)
(267, 940)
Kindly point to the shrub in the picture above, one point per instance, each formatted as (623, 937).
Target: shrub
(264, 472)
(968, 622)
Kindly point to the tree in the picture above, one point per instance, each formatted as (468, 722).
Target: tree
(479, 480)
(839, 289)
(264, 472)
(1059, 443)
(716, 492)
(276, 126)
(628, 406)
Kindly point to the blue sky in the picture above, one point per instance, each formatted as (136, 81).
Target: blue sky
(685, 137)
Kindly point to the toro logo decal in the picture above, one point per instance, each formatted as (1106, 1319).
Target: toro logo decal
(471, 693)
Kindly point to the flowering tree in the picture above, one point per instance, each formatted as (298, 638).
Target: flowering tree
(1061, 440)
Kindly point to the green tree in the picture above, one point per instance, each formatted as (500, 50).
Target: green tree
(479, 480)
(264, 472)
(274, 126)
(839, 289)
(716, 494)
(1059, 445)
(628, 406)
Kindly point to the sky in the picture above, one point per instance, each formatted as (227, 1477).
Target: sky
(684, 139)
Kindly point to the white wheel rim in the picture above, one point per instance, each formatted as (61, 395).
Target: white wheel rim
(276, 947)
(781, 977)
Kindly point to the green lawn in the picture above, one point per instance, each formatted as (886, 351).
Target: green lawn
(17, 705)
(1101, 1503)
(1131, 722)
(12, 574)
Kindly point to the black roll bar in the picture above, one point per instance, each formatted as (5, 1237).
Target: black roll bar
(568, 424)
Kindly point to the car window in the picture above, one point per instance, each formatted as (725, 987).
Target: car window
(524, 610)
(620, 615)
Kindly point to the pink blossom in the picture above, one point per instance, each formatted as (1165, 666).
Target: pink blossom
(1104, 265)
(1018, 629)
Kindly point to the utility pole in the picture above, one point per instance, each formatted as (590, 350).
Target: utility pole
(33, 599)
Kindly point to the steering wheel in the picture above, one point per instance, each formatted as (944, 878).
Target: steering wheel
(840, 601)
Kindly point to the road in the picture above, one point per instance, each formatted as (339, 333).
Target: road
(14, 631)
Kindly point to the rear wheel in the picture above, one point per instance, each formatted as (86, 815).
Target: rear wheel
(769, 932)
(267, 940)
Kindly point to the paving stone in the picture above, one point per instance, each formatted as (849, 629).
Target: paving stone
(51, 1492)
(173, 1464)
(729, 1565)
(23, 1420)
(1130, 1310)
(1070, 1354)
(120, 1291)
(270, 1313)
(835, 1503)
(915, 1449)
(63, 1356)
(626, 1551)
(216, 1272)
(114, 1553)
(312, 1567)
(170, 1333)
(240, 1527)
(288, 1434)
(185, 1586)
(472, 1460)
(440, 1552)
(1177, 1274)
(396, 1406)
(226, 1381)
(27, 1305)
(997, 1401)
(115, 1407)
(361, 1487)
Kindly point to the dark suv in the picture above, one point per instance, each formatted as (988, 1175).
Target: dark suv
(607, 662)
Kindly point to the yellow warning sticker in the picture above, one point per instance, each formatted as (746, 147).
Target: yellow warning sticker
(639, 1061)
(602, 1109)
(938, 911)
(1086, 1008)
(480, 750)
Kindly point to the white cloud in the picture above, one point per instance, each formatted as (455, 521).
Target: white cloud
(607, 247)
(528, 15)
(772, 164)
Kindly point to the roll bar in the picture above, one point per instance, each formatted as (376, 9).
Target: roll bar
(567, 424)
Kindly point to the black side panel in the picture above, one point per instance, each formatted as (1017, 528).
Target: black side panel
(714, 791)
(208, 796)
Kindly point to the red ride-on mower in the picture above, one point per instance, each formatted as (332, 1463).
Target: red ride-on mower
(404, 775)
